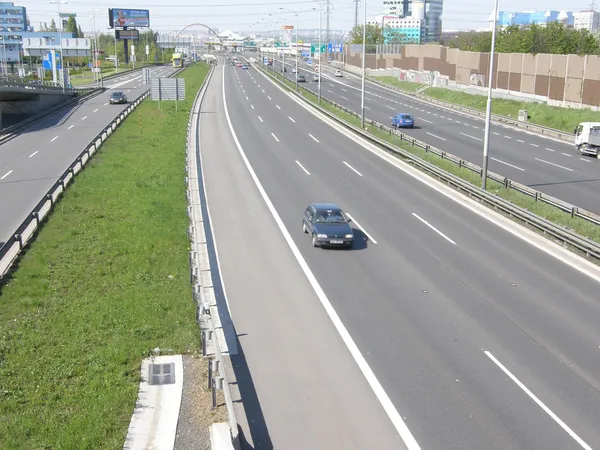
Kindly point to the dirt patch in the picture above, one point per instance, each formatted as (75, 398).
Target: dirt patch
(196, 414)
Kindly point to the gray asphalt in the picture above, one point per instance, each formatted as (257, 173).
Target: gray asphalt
(422, 310)
(32, 162)
(544, 164)
(294, 373)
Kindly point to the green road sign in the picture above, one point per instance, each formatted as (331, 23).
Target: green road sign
(314, 48)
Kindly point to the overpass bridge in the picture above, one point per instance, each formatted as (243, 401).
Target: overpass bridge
(21, 99)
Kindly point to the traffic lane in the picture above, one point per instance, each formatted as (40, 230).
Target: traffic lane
(516, 133)
(338, 286)
(579, 289)
(88, 119)
(32, 167)
(305, 405)
(538, 168)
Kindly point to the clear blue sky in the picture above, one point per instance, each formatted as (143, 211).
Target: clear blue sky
(240, 14)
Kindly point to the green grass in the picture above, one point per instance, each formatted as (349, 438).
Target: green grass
(580, 226)
(105, 282)
(565, 119)
(400, 84)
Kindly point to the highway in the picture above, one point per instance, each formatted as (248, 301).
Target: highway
(542, 163)
(31, 162)
(478, 338)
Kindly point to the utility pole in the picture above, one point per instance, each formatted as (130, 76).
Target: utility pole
(328, 33)
(356, 4)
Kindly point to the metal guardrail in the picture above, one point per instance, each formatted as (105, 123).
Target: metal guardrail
(25, 232)
(84, 95)
(217, 374)
(35, 85)
(538, 129)
(560, 233)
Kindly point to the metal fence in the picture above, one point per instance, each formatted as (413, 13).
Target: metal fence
(560, 233)
(217, 374)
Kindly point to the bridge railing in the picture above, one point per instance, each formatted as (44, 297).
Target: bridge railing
(13, 82)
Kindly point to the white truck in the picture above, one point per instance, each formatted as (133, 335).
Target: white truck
(587, 138)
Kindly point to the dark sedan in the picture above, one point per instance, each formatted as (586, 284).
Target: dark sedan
(327, 225)
(118, 97)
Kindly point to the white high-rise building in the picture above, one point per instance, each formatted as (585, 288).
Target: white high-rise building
(587, 20)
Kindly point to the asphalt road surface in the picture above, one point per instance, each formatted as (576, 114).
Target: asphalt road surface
(32, 162)
(478, 338)
(541, 163)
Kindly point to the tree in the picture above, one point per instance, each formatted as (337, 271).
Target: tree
(52, 26)
(80, 32)
(374, 35)
(551, 38)
(71, 26)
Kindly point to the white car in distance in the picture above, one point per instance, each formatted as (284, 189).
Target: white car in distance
(338, 73)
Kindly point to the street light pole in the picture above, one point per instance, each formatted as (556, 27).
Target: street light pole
(364, 57)
(297, 22)
(319, 72)
(94, 45)
(488, 109)
(62, 66)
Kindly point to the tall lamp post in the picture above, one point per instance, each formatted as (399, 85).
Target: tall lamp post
(62, 66)
(296, 14)
(364, 70)
(94, 44)
(488, 108)
(320, 2)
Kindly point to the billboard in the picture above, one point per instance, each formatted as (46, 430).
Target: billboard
(129, 18)
(133, 35)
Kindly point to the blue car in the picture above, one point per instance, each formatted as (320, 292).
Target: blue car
(327, 225)
(403, 121)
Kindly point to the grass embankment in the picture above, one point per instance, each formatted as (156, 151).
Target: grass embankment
(408, 86)
(105, 282)
(580, 226)
(565, 119)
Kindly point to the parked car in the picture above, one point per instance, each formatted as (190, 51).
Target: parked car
(327, 225)
(338, 73)
(403, 120)
(118, 98)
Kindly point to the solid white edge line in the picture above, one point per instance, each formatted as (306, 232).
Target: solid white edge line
(434, 229)
(552, 164)
(6, 174)
(435, 136)
(314, 138)
(302, 167)
(364, 367)
(510, 165)
(275, 137)
(362, 229)
(541, 243)
(531, 395)
(352, 168)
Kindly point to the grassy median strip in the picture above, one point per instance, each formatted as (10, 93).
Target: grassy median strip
(565, 119)
(105, 282)
(549, 212)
